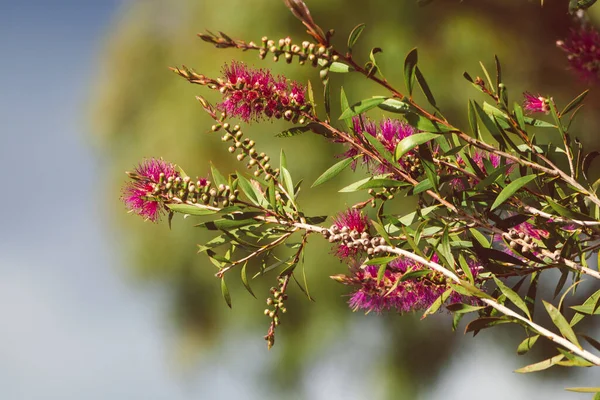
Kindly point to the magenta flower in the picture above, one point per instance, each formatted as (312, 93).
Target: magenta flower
(389, 132)
(529, 229)
(534, 104)
(583, 52)
(346, 222)
(460, 182)
(138, 194)
(252, 94)
(412, 294)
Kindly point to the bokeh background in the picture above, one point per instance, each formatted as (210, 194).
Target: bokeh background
(97, 304)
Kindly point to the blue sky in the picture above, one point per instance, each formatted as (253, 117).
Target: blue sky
(72, 328)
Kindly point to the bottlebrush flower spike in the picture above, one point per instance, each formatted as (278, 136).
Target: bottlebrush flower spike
(138, 194)
(350, 222)
(390, 293)
(583, 52)
(389, 132)
(534, 104)
(252, 94)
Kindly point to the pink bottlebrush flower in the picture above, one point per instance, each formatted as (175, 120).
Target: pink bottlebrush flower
(583, 52)
(533, 104)
(529, 229)
(138, 194)
(251, 94)
(346, 222)
(460, 182)
(389, 132)
(410, 295)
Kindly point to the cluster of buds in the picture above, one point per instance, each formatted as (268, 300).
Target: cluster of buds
(277, 302)
(521, 241)
(384, 195)
(246, 150)
(353, 240)
(200, 191)
(155, 182)
(313, 53)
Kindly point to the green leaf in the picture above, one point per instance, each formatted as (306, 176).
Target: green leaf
(461, 308)
(479, 237)
(381, 260)
(245, 280)
(344, 106)
(519, 116)
(425, 124)
(381, 272)
(422, 186)
(340, 68)
(540, 366)
(574, 103)
(561, 323)
(354, 35)
(511, 189)
(190, 210)
(362, 106)
(294, 131)
(512, 296)
(379, 183)
(527, 344)
(437, 303)
(488, 122)
(381, 231)
(484, 323)
(473, 120)
(353, 187)
(225, 292)
(410, 64)
(584, 389)
(248, 189)
(217, 177)
(395, 106)
(333, 171)
(492, 177)
(288, 183)
(412, 141)
(425, 87)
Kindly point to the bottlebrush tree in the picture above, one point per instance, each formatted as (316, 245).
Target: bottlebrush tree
(495, 209)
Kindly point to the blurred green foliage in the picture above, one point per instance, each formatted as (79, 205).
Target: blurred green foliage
(140, 109)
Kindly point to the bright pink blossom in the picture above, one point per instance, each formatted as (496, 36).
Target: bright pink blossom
(413, 294)
(535, 104)
(583, 52)
(389, 132)
(251, 94)
(137, 194)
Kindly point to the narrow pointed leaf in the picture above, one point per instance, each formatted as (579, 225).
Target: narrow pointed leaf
(561, 323)
(225, 292)
(410, 64)
(511, 189)
(333, 171)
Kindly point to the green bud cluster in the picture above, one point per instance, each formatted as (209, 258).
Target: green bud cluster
(307, 51)
(245, 149)
(276, 303)
(199, 192)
